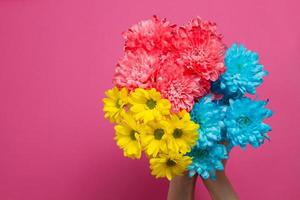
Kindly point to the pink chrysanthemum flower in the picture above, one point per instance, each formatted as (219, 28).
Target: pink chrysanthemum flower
(153, 35)
(136, 70)
(179, 88)
(201, 49)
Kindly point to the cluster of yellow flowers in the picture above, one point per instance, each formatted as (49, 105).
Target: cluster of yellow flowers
(144, 123)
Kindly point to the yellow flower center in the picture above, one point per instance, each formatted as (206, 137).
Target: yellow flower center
(132, 134)
(177, 133)
(170, 163)
(158, 133)
(118, 104)
(151, 104)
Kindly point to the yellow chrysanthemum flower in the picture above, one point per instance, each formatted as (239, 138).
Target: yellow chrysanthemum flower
(184, 133)
(169, 165)
(128, 136)
(148, 105)
(115, 104)
(154, 139)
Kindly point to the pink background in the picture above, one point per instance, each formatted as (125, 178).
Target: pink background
(56, 59)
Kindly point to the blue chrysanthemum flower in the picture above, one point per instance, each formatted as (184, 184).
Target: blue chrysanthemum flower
(244, 122)
(207, 161)
(243, 73)
(209, 115)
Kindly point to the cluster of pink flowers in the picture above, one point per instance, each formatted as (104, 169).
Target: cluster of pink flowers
(178, 61)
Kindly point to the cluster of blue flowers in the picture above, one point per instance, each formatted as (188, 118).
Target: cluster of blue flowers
(233, 119)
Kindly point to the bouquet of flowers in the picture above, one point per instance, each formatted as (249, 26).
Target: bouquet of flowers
(180, 94)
